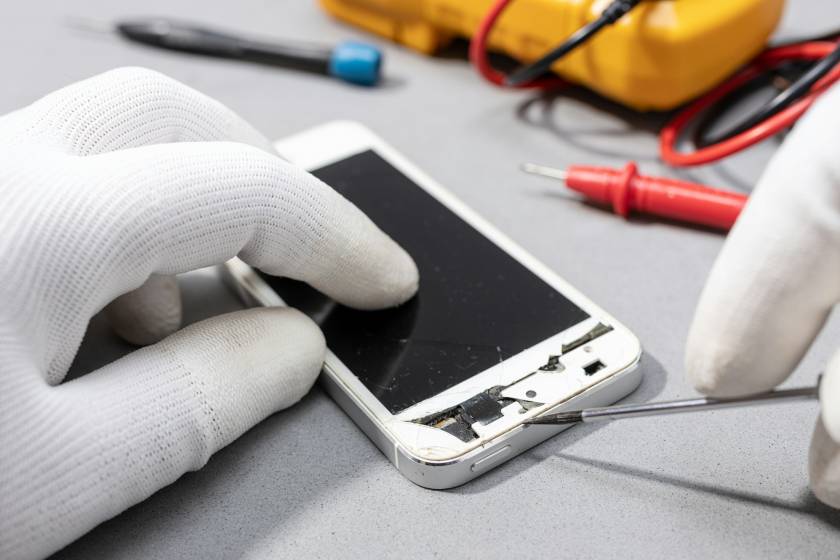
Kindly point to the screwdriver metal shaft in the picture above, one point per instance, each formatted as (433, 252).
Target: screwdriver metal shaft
(675, 407)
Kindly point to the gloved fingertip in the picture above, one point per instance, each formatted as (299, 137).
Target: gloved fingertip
(706, 366)
(148, 314)
(707, 380)
(265, 359)
(830, 397)
(728, 366)
(401, 282)
(824, 466)
(719, 379)
(283, 324)
(702, 381)
(140, 333)
(380, 275)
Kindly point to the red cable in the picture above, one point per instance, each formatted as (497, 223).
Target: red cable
(478, 53)
(671, 133)
(778, 122)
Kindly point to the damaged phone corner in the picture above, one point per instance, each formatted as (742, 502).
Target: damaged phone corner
(461, 421)
(443, 385)
(500, 408)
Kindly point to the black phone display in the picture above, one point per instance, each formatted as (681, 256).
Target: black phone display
(477, 306)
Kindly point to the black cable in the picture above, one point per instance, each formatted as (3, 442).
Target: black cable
(832, 35)
(793, 93)
(788, 72)
(610, 15)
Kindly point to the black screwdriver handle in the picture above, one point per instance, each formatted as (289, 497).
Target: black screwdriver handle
(186, 38)
(176, 36)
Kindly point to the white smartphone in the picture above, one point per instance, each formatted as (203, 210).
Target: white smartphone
(443, 383)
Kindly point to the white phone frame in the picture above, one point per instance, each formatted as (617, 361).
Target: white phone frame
(429, 456)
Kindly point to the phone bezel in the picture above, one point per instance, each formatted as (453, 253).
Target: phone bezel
(620, 349)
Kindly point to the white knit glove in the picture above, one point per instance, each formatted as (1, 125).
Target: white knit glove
(776, 281)
(117, 181)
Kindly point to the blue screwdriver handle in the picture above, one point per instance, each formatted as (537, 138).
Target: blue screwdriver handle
(353, 62)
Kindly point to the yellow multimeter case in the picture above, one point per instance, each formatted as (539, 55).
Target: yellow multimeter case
(660, 55)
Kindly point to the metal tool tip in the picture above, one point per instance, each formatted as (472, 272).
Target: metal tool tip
(544, 171)
(559, 418)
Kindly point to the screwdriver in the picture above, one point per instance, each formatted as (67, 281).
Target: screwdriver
(673, 407)
(626, 190)
(351, 61)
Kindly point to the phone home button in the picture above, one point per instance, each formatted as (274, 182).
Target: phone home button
(491, 460)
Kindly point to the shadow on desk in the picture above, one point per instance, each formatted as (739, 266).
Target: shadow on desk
(603, 135)
(807, 503)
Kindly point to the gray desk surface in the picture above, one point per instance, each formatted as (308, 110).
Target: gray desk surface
(306, 482)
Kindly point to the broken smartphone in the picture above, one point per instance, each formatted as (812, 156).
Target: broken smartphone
(443, 383)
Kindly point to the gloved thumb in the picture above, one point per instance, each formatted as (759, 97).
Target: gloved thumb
(148, 314)
(139, 423)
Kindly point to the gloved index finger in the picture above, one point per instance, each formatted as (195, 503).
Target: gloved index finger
(778, 275)
(172, 208)
(204, 203)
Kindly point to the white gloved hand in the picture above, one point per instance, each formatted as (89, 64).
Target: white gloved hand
(118, 181)
(775, 282)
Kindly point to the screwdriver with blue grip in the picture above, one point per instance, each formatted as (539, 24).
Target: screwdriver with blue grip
(350, 61)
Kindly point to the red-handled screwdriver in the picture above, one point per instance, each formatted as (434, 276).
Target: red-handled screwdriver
(626, 190)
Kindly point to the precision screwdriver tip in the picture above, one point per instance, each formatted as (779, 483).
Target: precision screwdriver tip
(544, 171)
(559, 418)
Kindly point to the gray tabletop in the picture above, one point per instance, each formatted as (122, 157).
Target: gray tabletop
(306, 482)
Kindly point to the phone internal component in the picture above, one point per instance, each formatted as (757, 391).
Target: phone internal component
(451, 421)
(484, 408)
(553, 364)
(594, 367)
(596, 331)
(459, 428)
(528, 405)
(481, 408)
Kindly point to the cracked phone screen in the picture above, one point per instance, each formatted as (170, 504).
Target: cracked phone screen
(477, 305)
